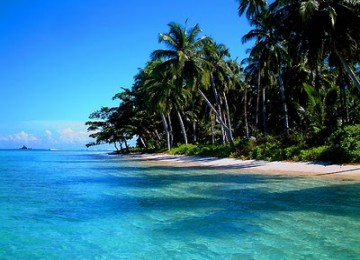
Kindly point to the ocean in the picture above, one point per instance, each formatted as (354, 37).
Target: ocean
(91, 205)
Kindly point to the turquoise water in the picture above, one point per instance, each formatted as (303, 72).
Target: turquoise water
(83, 205)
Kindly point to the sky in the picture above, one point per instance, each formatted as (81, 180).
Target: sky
(62, 60)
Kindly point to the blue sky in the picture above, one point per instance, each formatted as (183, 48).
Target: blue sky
(62, 60)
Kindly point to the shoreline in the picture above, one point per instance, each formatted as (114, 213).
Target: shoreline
(284, 168)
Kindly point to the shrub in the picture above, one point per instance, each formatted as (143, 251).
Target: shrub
(245, 148)
(221, 151)
(294, 138)
(189, 149)
(292, 153)
(270, 150)
(203, 150)
(344, 145)
(312, 154)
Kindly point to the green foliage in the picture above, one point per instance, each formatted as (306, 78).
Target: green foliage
(189, 149)
(269, 150)
(193, 69)
(292, 153)
(312, 154)
(344, 145)
(245, 148)
(219, 151)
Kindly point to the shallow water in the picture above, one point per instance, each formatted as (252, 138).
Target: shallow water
(83, 205)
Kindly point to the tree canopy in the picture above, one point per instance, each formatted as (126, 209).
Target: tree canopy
(301, 78)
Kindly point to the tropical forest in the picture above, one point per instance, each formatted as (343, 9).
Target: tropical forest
(296, 96)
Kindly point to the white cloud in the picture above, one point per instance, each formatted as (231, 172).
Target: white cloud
(68, 135)
(48, 132)
(22, 136)
(45, 134)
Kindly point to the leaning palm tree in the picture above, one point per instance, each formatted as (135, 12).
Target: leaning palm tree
(222, 79)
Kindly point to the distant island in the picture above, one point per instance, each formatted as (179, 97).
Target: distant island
(25, 148)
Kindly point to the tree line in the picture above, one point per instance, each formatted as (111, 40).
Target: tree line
(299, 83)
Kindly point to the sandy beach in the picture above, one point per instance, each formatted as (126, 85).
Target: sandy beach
(343, 172)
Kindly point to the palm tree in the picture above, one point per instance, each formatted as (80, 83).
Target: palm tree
(182, 61)
(154, 86)
(183, 58)
(271, 52)
(252, 7)
(221, 79)
(321, 28)
(253, 72)
(239, 86)
(148, 84)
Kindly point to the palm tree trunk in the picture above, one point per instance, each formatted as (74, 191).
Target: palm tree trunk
(245, 115)
(194, 131)
(283, 103)
(257, 104)
(157, 134)
(212, 127)
(264, 110)
(183, 130)
(171, 133)
(194, 123)
(348, 69)
(343, 104)
(156, 137)
(218, 105)
(167, 134)
(117, 149)
(228, 115)
(143, 142)
(227, 130)
(126, 146)
(346, 112)
(223, 134)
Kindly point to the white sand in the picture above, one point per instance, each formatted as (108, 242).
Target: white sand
(344, 172)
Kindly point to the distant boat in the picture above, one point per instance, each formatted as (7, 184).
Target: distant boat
(24, 148)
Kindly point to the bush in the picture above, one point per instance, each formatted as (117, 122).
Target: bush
(220, 151)
(189, 149)
(245, 148)
(292, 153)
(269, 150)
(344, 145)
(294, 138)
(312, 154)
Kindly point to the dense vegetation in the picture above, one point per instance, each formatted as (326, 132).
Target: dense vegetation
(295, 97)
